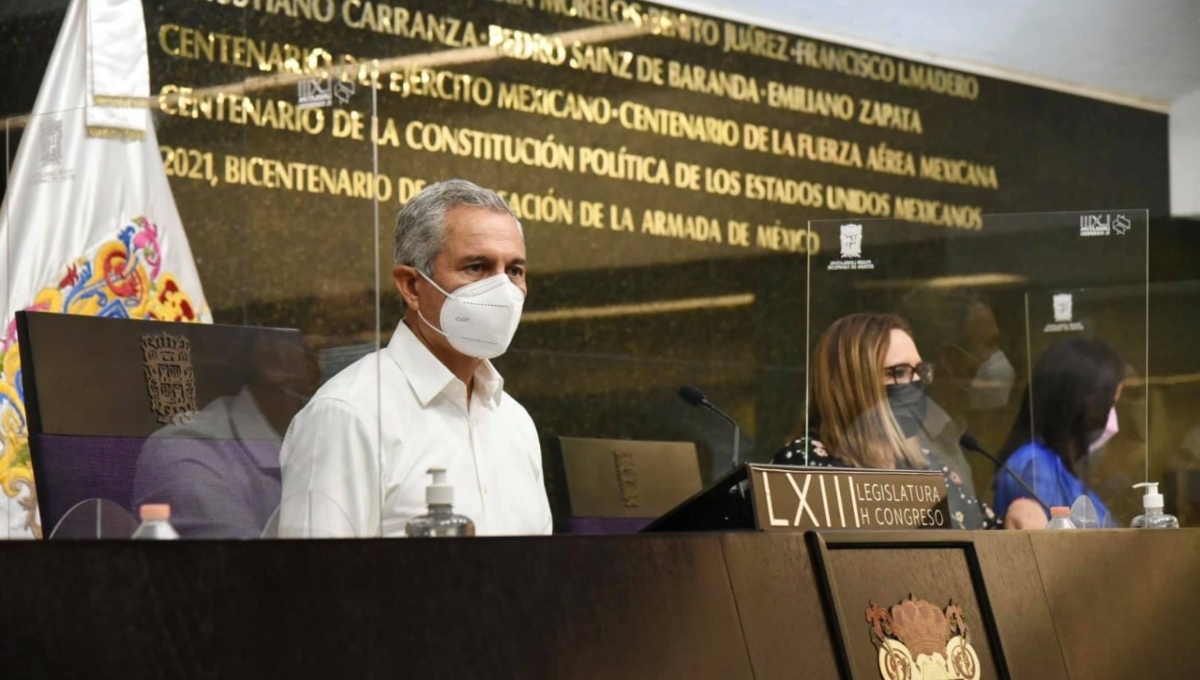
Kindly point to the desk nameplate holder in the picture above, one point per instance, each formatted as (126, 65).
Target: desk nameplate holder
(789, 498)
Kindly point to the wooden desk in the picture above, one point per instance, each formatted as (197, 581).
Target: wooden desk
(1087, 604)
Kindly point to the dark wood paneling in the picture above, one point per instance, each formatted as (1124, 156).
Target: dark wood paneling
(1124, 602)
(735, 605)
(780, 606)
(861, 573)
(641, 607)
(1019, 605)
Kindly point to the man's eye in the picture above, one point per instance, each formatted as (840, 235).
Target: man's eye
(475, 268)
(516, 272)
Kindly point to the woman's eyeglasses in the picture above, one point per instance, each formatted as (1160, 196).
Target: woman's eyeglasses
(903, 374)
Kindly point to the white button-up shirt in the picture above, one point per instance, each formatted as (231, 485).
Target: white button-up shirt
(355, 458)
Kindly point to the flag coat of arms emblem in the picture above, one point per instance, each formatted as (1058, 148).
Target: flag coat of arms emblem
(88, 223)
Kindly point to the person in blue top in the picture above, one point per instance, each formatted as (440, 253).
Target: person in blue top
(1075, 387)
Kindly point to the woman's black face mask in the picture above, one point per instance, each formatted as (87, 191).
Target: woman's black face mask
(908, 404)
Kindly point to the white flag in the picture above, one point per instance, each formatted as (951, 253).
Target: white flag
(88, 224)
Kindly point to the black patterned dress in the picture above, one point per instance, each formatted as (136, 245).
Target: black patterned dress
(966, 511)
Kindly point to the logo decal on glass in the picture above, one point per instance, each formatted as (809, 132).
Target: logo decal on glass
(170, 378)
(320, 92)
(851, 241)
(52, 142)
(851, 238)
(50, 139)
(1104, 225)
(917, 639)
(1063, 303)
(1064, 314)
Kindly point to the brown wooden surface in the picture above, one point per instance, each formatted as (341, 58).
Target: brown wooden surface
(860, 573)
(1019, 605)
(734, 605)
(780, 605)
(1124, 602)
(484, 608)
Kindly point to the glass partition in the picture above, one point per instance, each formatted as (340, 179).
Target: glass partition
(1013, 340)
(664, 169)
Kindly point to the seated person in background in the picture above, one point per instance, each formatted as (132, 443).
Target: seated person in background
(218, 469)
(868, 402)
(355, 459)
(1076, 384)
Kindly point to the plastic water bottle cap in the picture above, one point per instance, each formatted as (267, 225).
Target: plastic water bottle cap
(153, 512)
(1060, 511)
(1152, 500)
(439, 492)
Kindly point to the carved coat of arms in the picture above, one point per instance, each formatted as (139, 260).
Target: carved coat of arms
(919, 641)
(169, 376)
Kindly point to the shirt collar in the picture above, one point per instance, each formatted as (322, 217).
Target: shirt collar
(429, 377)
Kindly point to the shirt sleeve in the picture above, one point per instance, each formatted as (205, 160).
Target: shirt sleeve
(1037, 469)
(330, 467)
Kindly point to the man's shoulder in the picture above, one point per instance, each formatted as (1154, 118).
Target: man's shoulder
(355, 385)
(510, 408)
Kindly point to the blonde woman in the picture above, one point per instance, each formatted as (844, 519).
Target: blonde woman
(867, 406)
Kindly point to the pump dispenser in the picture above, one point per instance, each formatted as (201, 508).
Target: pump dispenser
(441, 520)
(1154, 517)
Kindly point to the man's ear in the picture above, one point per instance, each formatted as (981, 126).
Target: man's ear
(405, 278)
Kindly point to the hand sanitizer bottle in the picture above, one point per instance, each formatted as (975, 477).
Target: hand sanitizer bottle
(441, 520)
(1154, 517)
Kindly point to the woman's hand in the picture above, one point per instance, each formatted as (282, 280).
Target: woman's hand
(1025, 513)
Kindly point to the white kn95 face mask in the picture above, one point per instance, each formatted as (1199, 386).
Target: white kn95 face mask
(480, 318)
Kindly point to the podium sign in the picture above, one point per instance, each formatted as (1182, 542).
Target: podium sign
(790, 498)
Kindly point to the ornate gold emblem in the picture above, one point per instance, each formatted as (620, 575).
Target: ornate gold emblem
(169, 376)
(627, 478)
(919, 641)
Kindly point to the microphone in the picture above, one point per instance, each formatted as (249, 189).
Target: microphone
(692, 395)
(970, 443)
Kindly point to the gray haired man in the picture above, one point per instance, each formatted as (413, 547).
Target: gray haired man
(355, 459)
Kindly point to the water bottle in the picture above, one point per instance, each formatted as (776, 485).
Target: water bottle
(1060, 518)
(1153, 517)
(156, 523)
(441, 520)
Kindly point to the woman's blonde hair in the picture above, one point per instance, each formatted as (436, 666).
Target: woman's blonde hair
(849, 400)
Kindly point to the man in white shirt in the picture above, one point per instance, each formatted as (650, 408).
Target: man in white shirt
(355, 459)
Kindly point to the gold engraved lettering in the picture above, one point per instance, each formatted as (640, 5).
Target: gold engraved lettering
(779, 238)
(681, 226)
(601, 59)
(883, 114)
(968, 217)
(380, 17)
(810, 101)
(555, 103)
(757, 41)
(956, 171)
(718, 83)
(940, 81)
(679, 125)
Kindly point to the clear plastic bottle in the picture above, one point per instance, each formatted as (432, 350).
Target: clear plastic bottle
(156, 523)
(1153, 517)
(1060, 518)
(441, 520)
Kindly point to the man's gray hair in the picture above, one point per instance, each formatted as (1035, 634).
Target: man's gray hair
(421, 223)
